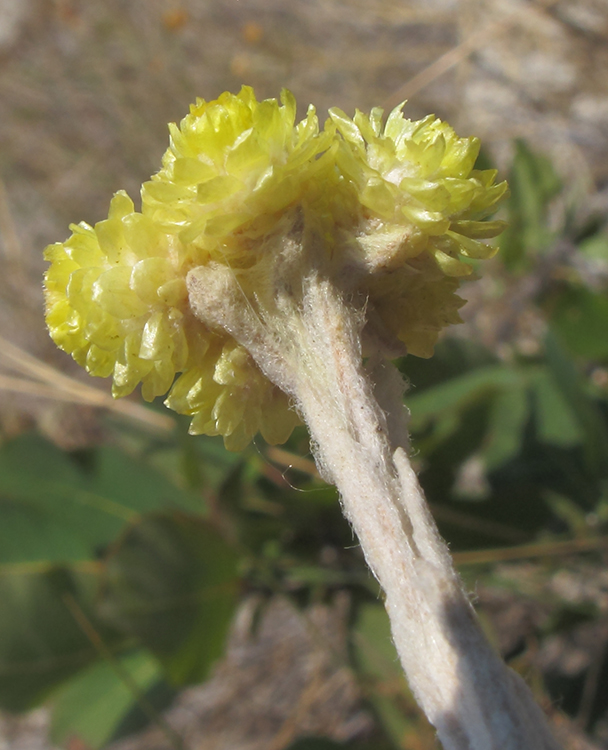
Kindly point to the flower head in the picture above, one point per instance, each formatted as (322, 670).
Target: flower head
(395, 208)
(233, 167)
(421, 205)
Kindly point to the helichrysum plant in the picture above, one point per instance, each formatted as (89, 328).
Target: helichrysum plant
(273, 272)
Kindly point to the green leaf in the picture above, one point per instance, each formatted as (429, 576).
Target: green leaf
(572, 387)
(42, 639)
(556, 423)
(453, 358)
(135, 486)
(571, 514)
(460, 392)
(580, 317)
(29, 533)
(92, 705)
(191, 461)
(37, 486)
(507, 420)
(595, 247)
(53, 510)
(533, 183)
(172, 582)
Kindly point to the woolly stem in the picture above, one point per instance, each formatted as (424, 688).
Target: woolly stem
(466, 691)
(307, 339)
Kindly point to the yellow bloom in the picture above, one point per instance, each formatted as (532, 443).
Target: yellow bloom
(393, 207)
(116, 300)
(421, 208)
(233, 167)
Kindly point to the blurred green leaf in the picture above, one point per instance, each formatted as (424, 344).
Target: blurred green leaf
(134, 485)
(572, 387)
(580, 317)
(92, 705)
(453, 357)
(172, 582)
(508, 417)
(192, 461)
(30, 533)
(533, 183)
(595, 247)
(460, 392)
(62, 512)
(556, 423)
(573, 516)
(42, 641)
(42, 518)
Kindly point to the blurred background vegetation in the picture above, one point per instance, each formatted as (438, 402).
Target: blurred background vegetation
(159, 592)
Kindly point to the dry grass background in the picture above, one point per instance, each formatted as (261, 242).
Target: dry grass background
(87, 87)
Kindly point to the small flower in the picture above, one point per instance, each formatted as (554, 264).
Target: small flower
(421, 209)
(233, 167)
(394, 209)
(117, 302)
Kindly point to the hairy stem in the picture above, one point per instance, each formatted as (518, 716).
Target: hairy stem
(305, 335)
(466, 691)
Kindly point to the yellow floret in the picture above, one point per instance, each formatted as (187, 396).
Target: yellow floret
(235, 165)
(107, 304)
(117, 302)
(421, 211)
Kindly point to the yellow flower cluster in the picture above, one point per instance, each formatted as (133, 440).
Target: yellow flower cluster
(402, 204)
(421, 206)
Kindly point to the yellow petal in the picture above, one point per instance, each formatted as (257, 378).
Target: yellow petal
(113, 293)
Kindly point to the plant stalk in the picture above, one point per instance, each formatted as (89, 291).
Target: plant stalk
(305, 335)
